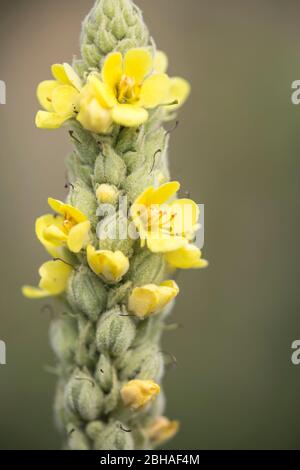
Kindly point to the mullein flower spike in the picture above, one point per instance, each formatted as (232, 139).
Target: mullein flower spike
(116, 291)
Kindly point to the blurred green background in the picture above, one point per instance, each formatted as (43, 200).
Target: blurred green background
(237, 150)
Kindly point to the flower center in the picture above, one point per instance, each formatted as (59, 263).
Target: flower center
(158, 219)
(68, 223)
(127, 90)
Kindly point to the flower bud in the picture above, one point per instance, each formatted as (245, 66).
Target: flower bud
(145, 361)
(149, 299)
(83, 396)
(138, 393)
(146, 268)
(115, 333)
(113, 437)
(107, 194)
(63, 337)
(161, 430)
(87, 293)
(110, 265)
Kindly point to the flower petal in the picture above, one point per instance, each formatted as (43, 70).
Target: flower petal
(54, 276)
(44, 93)
(112, 70)
(72, 76)
(34, 292)
(187, 257)
(42, 225)
(46, 120)
(93, 116)
(65, 100)
(102, 91)
(185, 215)
(179, 91)
(138, 64)
(66, 75)
(78, 236)
(162, 243)
(56, 205)
(128, 115)
(145, 197)
(155, 90)
(165, 192)
(66, 210)
(160, 63)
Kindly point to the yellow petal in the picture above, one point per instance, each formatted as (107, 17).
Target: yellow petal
(78, 236)
(65, 100)
(46, 120)
(160, 63)
(143, 300)
(41, 226)
(66, 75)
(104, 93)
(129, 115)
(55, 235)
(187, 257)
(138, 393)
(94, 117)
(66, 210)
(44, 93)
(155, 90)
(180, 90)
(111, 265)
(56, 205)
(72, 76)
(185, 215)
(163, 243)
(112, 70)
(171, 284)
(34, 292)
(137, 64)
(165, 192)
(145, 198)
(54, 277)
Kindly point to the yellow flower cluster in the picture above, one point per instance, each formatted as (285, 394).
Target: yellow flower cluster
(123, 93)
(166, 227)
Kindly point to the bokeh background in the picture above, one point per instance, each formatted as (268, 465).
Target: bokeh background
(236, 150)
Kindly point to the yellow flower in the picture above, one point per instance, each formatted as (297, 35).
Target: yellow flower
(138, 393)
(164, 226)
(179, 87)
(127, 87)
(71, 227)
(111, 265)
(150, 298)
(54, 279)
(186, 257)
(58, 97)
(162, 430)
